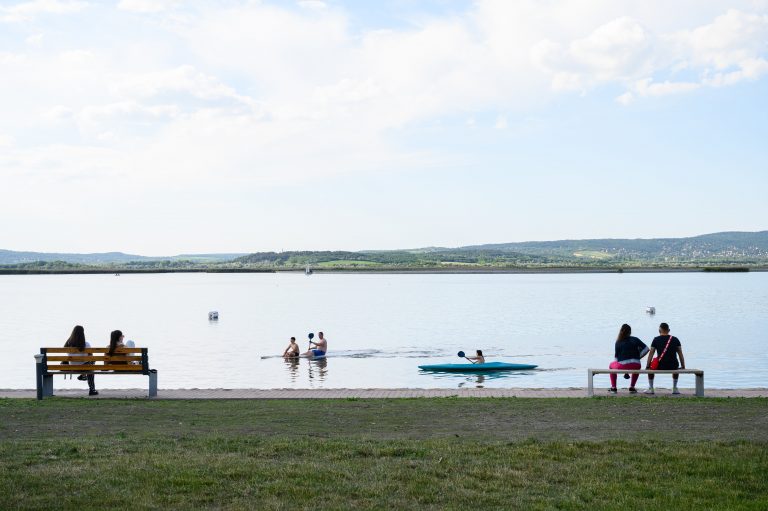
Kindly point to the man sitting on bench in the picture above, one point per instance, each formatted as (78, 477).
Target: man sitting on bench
(669, 349)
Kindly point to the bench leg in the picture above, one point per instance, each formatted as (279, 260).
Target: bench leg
(590, 384)
(39, 379)
(153, 383)
(700, 385)
(47, 381)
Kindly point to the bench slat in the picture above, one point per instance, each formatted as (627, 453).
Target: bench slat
(94, 358)
(83, 368)
(91, 350)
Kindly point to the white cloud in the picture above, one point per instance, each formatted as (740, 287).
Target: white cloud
(313, 4)
(647, 88)
(6, 141)
(723, 52)
(26, 11)
(147, 6)
(34, 39)
(271, 95)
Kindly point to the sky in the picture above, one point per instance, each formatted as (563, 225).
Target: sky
(161, 127)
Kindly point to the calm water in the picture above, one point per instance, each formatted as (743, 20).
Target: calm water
(381, 327)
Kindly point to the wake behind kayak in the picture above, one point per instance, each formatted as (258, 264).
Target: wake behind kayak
(473, 368)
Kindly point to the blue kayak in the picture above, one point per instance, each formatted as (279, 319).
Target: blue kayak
(488, 366)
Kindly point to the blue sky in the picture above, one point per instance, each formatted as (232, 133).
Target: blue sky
(163, 127)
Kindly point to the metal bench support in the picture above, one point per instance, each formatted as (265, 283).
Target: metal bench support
(153, 383)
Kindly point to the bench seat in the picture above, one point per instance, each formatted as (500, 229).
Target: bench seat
(71, 361)
(697, 372)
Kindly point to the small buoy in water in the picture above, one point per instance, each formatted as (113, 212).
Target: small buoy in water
(650, 310)
(213, 315)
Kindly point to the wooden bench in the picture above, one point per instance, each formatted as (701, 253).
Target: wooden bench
(65, 361)
(698, 372)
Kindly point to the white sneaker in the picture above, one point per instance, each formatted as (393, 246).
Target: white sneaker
(650, 391)
(675, 391)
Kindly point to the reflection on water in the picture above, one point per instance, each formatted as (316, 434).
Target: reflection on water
(316, 369)
(292, 364)
(478, 380)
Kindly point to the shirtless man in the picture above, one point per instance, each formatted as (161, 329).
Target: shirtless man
(292, 350)
(321, 346)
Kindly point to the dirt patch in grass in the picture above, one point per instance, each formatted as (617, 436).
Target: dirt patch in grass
(473, 419)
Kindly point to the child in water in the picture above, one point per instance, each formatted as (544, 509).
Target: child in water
(292, 350)
(479, 359)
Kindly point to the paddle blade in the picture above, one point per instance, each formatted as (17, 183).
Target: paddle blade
(311, 335)
(460, 354)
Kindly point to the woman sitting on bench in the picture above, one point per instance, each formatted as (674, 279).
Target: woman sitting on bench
(77, 340)
(628, 351)
(116, 342)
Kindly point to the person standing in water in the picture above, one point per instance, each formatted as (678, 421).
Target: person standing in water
(292, 350)
(321, 346)
(669, 349)
(628, 351)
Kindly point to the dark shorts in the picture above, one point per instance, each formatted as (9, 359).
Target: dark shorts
(318, 353)
(669, 365)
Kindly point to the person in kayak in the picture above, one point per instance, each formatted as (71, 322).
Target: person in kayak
(479, 359)
(292, 350)
(321, 346)
(669, 350)
(628, 351)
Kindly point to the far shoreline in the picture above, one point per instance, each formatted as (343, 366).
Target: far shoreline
(394, 271)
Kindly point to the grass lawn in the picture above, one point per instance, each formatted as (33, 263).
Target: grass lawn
(373, 454)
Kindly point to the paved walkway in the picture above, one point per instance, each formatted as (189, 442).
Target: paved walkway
(368, 393)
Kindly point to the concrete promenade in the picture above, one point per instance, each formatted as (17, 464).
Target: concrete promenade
(370, 393)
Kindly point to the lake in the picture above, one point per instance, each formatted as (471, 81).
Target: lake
(380, 327)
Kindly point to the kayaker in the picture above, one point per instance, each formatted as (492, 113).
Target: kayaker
(321, 346)
(479, 359)
(292, 350)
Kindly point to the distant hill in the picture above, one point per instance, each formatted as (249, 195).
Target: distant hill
(12, 257)
(725, 246)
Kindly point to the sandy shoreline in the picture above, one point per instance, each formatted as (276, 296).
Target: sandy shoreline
(406, 393)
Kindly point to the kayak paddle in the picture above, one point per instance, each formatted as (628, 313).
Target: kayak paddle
(463, 355)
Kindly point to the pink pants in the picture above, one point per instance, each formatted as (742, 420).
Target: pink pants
(616, 365)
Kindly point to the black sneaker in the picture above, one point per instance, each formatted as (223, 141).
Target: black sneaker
(82, 377)
(632, 390)
(612, 390)
(93, 392)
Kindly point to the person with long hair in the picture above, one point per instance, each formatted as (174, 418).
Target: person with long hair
(77, 340)
(115, 342)
(628, 351)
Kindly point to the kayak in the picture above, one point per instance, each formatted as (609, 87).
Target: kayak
(488, 366)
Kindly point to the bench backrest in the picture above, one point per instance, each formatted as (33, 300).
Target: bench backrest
(72, 360)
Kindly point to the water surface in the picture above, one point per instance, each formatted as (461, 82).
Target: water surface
(380, 327)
